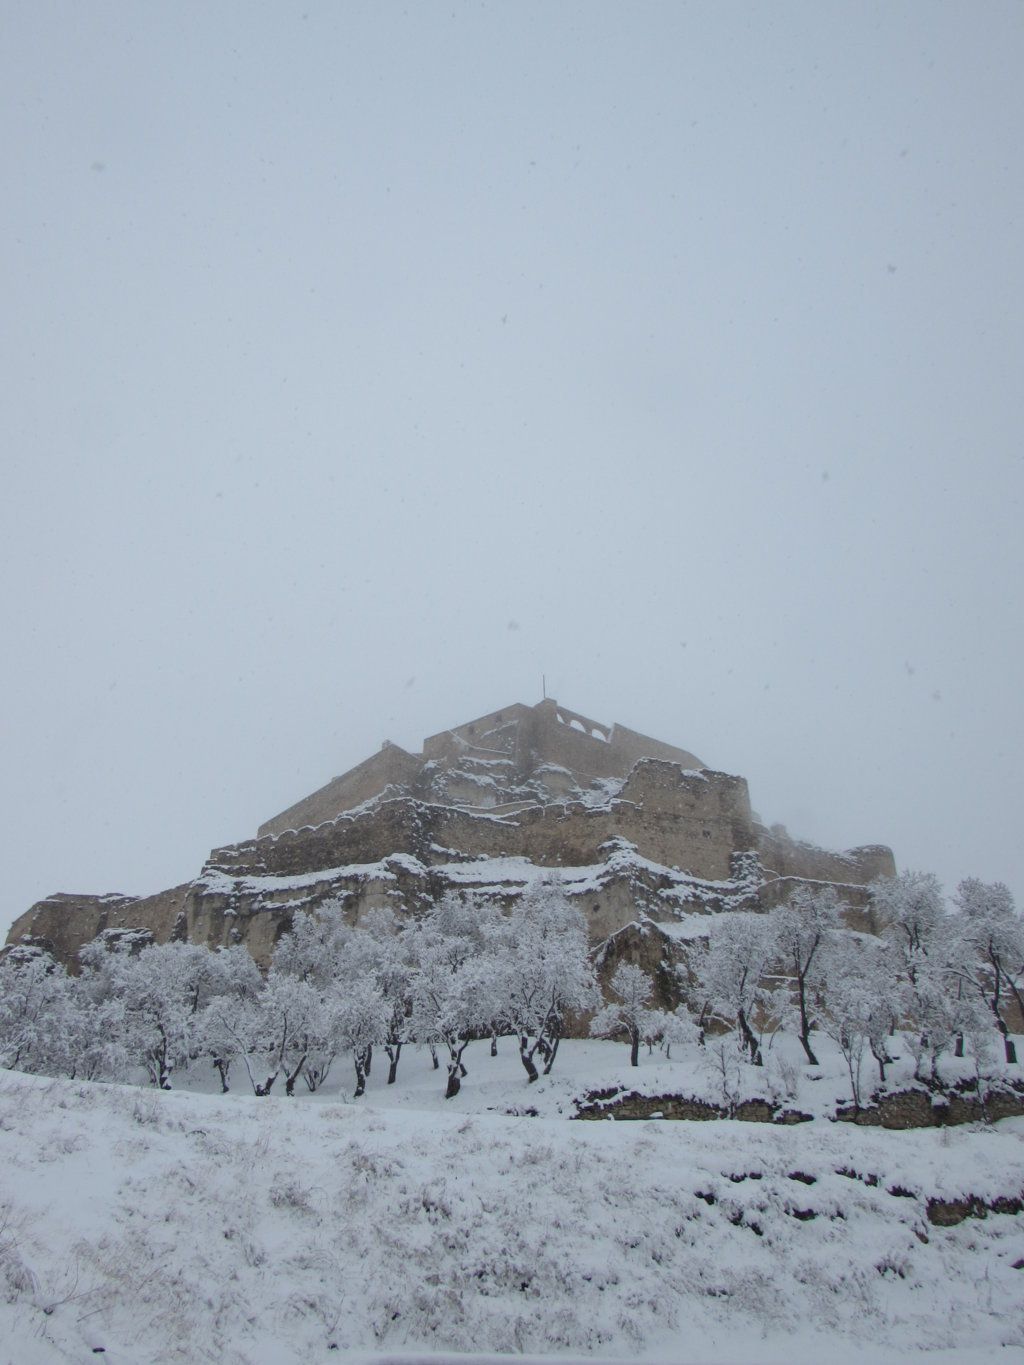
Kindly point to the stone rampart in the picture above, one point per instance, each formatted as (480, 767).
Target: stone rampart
(676, 838)
(390, 766)
(65, 923)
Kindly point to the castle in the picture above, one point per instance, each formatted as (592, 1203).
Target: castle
(638, 832)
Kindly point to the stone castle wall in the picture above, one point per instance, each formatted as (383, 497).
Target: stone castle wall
(390, 766)
(676, 839)
(64, 924)
(526, 737)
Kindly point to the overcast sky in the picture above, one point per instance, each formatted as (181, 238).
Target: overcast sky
(363, 362)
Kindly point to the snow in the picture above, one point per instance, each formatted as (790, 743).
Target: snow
(215, 879)
(185, 1226)
(692, 927)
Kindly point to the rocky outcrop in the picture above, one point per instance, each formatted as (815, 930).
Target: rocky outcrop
(63, 924)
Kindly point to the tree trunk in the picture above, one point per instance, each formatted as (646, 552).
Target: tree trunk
(634, 1047)
(264, 1089)
(454, 1082)
(223, 1068)
(289, 1081)
(456, 1070)
(1009, 1047)
(526, 1057)
(394, 1051)
(359, 1060)
(160, 1056)
(552, 1055)
(369, 1058)
(433, 1055)
(748, 1037)
(801, 986)
(805, 1041)
(494, 1045)
(159, 1072)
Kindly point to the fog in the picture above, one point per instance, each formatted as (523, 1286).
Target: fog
(364, 363)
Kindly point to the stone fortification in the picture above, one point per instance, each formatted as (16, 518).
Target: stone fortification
(631, 827)
(517, 756)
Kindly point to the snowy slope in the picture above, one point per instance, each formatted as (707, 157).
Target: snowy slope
(191, 1227)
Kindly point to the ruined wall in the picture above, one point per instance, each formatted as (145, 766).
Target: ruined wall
(633, 746)
(496, 730)
(524, 737)
(390, 766)
(789, 863)
(64, 923)
(694, 821)
(554, 734)
(787, 857)
(689, 820)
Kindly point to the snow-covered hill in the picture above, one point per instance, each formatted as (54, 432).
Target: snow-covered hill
(140, 1226)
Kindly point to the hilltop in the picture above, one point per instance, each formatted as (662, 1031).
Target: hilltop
(631, 827)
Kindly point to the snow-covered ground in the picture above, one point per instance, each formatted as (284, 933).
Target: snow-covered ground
(138, 1226)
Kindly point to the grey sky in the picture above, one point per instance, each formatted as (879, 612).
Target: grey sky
(363, 361)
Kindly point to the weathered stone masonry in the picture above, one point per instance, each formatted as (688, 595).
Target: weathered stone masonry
(634, 827)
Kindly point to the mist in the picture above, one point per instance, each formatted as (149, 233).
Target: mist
(365, 365)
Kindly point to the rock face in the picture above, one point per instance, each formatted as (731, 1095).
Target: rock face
(635, 829)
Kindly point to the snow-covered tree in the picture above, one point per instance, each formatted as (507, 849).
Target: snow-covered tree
(319, 947)
(155, 988)
(675, 1028)
(731, 973)
(941, 1015)
(987, 955)
(452, 986)
(34, 1001)
(392, 965)
(540, 965)
(630, 1012)
(913, 918)
(359, 1020)
(803, 928)
(863, 995)
(271, 1033)
(232, 981)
